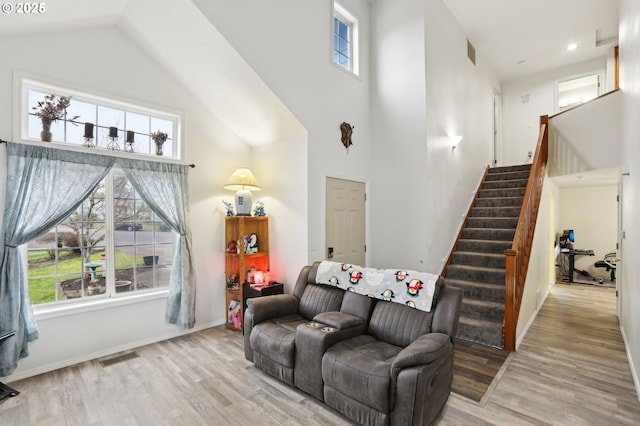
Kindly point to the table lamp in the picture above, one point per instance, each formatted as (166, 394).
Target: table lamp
(243, 182)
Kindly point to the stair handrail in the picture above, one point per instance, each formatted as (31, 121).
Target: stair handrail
(517, 257)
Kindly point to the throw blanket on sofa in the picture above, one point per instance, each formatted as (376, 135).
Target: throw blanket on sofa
(415, 289)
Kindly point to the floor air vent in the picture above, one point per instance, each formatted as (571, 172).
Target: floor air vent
(119, 357)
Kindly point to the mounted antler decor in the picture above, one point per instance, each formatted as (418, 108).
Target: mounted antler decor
(347, 130)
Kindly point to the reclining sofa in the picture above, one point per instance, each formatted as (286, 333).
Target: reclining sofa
(375, 361)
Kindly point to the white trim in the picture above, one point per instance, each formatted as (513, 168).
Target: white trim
(24, 81)
(57, 309)
(354, 70)
(634, 373)
(533, 317)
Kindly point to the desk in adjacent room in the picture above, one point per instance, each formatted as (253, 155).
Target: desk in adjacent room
(572, 253)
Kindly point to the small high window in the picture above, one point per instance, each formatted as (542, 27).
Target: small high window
(345, 39)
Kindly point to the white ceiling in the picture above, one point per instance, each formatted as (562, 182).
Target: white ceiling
(506, 32)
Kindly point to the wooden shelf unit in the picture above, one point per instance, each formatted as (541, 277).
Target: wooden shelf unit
(239, 262)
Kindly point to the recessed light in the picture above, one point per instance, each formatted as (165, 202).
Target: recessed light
(572, 46)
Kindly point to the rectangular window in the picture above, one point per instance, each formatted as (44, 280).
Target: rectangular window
(103, 114)
(345, 39)
(113, 243)
(341, 42)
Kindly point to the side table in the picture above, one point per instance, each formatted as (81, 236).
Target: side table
(6, 391)
(249, 292)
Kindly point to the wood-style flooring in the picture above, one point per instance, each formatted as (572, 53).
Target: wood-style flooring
(571, 369)
(476, 370)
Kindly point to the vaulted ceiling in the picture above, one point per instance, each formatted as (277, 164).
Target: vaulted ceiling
(514, 38)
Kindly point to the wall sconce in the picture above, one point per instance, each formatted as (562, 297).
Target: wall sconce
(455, 140)
(243, 182)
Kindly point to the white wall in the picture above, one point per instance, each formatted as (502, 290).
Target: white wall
(629, 290)
(538, 273)
(71, 338)
(293, 57)
(425, 90)
(592, 212)
(524, 100)
(586, 138)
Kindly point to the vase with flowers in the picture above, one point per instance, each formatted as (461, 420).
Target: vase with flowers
(159, 138)
(50, 109)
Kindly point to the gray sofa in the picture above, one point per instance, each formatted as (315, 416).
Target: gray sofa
(376, 362)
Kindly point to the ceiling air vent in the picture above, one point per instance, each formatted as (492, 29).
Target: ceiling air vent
(471, 52)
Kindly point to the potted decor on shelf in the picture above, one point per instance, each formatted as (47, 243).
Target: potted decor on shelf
(159, 138)
(50, 109)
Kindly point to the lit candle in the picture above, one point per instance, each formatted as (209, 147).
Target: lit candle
(113, 132)
(130, 136)
(88, 130)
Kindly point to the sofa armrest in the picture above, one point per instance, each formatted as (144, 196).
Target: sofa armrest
(263, 308)
(338, 320)
(268, 307)
(430, 351)
(424, 350)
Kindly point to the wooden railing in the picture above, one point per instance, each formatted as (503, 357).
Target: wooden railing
(520, 252)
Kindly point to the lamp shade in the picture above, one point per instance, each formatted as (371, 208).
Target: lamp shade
(243, 182)
(242, 179)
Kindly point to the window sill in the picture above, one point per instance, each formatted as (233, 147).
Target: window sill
(347, 71)
(42, 313)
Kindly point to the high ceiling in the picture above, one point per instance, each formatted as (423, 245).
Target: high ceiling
(513, 37)
(517, 37)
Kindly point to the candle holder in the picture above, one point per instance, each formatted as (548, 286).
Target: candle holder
(128, 143)
(113, 139)
(88, 136)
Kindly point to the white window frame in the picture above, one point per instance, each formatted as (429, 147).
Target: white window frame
(25, 83)
(346, 16)
(110, 295)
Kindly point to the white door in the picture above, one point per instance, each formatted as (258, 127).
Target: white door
(345, 221)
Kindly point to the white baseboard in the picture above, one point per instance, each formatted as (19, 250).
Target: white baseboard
(110, 351)
(533, 317)
(634, 373)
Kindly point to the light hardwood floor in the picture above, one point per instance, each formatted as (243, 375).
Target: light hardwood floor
(571, 369)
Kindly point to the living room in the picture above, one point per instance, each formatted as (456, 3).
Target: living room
(278, 110)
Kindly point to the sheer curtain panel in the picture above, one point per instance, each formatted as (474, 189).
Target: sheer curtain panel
(44, 186)
(164, 187)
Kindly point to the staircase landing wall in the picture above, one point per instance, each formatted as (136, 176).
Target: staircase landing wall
(585, 138)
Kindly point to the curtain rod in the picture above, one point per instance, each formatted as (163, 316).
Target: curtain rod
(190, 165)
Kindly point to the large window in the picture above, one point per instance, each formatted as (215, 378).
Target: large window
(345, 39)
(113, 244)
(104, 114)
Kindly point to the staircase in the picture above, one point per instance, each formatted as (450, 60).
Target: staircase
(478, 262)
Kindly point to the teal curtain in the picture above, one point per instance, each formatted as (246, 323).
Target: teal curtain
(44, 186)
(164, 187)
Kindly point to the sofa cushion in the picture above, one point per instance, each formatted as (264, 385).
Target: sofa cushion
(319, 298)
(276, 339)
(397, 324)
(360, 368)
